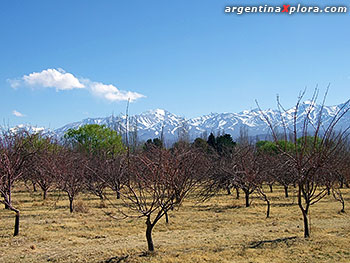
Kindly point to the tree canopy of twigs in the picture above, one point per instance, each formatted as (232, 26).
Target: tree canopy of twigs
(315, 142)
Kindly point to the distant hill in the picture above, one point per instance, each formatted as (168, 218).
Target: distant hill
(150, 123)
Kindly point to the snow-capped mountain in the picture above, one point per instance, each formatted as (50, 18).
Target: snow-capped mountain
(151, 123)
(28, 128)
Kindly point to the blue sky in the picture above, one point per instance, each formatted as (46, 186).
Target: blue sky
(187, 57)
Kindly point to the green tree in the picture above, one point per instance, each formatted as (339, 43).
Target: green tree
(224, 144)
(309, 143)
(267, 147)
(93, 138)
(275, 148)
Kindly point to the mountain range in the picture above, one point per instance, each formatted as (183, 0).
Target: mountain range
(151, 124)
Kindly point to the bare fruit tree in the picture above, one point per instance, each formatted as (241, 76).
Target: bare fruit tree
(315, 143)
(93, 179)
(15, 154)
(69, 168)
(41, 171)
(159, 180)
(113, 172)
(248, 171)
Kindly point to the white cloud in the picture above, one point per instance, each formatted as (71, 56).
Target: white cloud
(61, 80)
(112, 93)
(17, 113)
(53, 78)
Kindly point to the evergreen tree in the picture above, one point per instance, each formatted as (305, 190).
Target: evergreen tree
(149, 144)
(200, 143)
(212, 140)
(224, 144)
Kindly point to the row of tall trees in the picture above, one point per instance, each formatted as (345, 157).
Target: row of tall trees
(313, 155)
(150, 183)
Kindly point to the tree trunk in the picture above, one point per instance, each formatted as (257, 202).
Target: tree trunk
(149, 234)
(268, 209)
(228, 190)
(44, 194)
(117, 189)
(304, 212)
(286, 190)
(177, 197)
(306, 224)
(34, 186)
(71, 205)
(237, 193)
(16, 224)
(5, 203)
(166, 217)
(247, 204)
(270, 185)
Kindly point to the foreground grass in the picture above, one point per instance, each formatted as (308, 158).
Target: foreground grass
(219, 230)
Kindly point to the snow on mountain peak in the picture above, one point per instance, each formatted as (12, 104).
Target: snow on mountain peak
(160, 112)
(151, 123)
(308, 102)
(28, 128)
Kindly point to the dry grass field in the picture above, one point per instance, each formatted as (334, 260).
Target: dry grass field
(219, 230)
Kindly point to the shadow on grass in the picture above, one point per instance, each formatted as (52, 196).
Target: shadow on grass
(286, 240)
(126, 258)
(217, 209)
